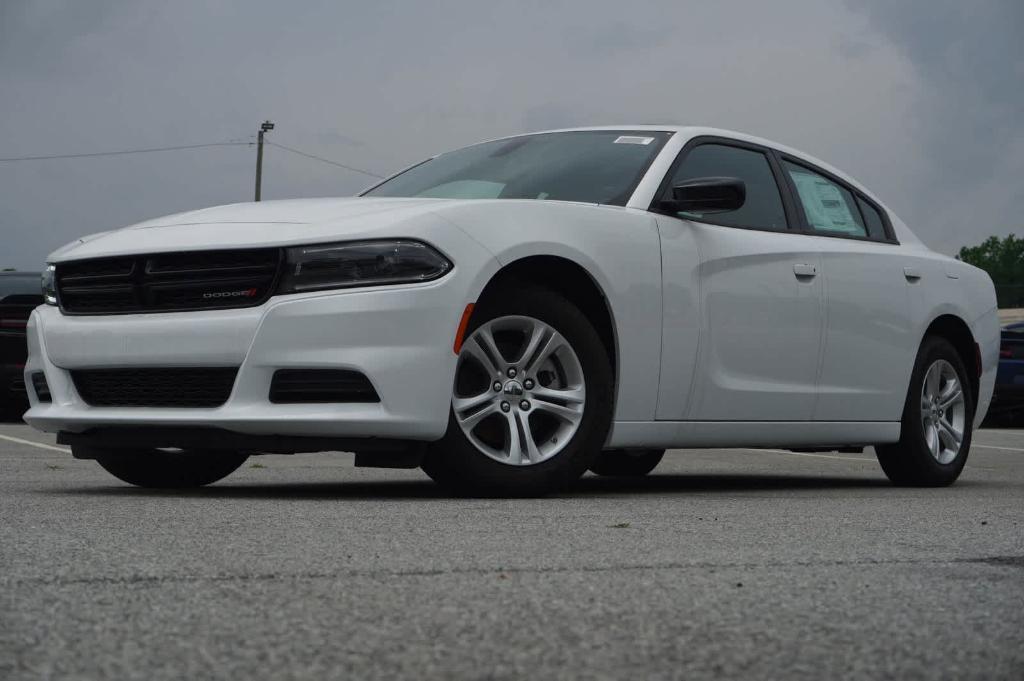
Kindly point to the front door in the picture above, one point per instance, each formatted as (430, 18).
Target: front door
(743, 299)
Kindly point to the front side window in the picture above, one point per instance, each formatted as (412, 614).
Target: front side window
(590, 166)
(829, 207)
(762, 208)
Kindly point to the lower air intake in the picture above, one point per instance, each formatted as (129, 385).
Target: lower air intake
(298, 386)
(200, 387)
(40, 386)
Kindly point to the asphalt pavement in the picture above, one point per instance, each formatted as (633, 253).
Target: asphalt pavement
(737, 564)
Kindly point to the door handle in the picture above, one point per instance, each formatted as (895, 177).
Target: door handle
(912, 273)
(803, 271)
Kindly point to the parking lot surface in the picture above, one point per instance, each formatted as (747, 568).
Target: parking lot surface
(736, 563)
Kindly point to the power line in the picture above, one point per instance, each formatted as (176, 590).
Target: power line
(122, 152)
(324, 160)
(147, 150)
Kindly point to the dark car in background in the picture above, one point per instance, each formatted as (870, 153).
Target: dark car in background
(1008, 399)
(20, 293)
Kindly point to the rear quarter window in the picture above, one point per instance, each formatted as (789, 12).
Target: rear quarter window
(872, 220)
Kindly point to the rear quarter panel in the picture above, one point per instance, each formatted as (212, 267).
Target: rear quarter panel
(955, 288)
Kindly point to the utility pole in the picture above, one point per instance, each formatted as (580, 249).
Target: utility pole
(266, 127)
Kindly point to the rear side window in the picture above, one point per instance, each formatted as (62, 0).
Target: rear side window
(763, 206)
(828, 207)
(872, 220)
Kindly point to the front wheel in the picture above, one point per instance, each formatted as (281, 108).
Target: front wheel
(532, 400)
(167, 469)
(935, 436)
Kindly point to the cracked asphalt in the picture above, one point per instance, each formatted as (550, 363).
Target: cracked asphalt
(737, 564)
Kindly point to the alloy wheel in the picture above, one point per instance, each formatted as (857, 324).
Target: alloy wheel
(943, 411)
(519, 390)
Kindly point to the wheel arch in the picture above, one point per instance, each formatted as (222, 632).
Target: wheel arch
(570, 279)
(955, 330)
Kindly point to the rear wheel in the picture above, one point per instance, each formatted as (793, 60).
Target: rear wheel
(166, 469)
(532, 400)
(937, 421)
(627, 463)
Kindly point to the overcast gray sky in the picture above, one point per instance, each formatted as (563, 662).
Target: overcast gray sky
(921, 100)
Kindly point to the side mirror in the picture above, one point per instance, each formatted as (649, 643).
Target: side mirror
(706, 195)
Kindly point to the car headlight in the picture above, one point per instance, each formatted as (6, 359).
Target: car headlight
(361, 263)
(50, 285)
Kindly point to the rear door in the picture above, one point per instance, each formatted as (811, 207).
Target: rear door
(869, 348)
(743, 304)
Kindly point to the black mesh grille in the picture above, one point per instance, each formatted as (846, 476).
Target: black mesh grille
(168, 282)
(192, 387)
(294, 386)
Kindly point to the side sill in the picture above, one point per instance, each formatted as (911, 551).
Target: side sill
(777, 434)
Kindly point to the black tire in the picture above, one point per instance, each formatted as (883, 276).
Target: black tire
(627, 463)
(160, 469)
(457, 464)
(910, 462)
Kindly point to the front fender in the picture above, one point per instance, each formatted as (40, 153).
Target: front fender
(618, 247)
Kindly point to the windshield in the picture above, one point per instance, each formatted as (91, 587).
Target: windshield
(591, 166)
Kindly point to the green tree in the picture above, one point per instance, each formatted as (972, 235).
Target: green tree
(1003, 259)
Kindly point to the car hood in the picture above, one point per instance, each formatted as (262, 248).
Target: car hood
(251, 225)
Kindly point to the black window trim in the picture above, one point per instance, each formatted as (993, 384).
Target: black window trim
(793, 218)
(804, 227)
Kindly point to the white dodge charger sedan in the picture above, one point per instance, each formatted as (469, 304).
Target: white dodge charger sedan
(514, 313)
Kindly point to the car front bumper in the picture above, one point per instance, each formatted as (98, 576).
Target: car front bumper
(399, 337)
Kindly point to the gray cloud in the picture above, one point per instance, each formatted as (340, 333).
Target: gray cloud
(918, 100)
(969, 63)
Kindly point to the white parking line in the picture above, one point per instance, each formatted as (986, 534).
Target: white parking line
(1005, 449)
(817, 456)
(829, 456)
(30, 443)
(858, 458)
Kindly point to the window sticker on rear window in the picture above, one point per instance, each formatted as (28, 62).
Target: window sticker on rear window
(633, 139)
(824, 204)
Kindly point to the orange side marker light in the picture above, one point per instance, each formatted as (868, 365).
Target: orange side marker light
(461, 331)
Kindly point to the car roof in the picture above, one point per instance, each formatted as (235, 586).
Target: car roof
(906, 236)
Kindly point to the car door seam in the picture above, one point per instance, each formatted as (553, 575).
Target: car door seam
(661, 329)
(823, 307)
(696, 375)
